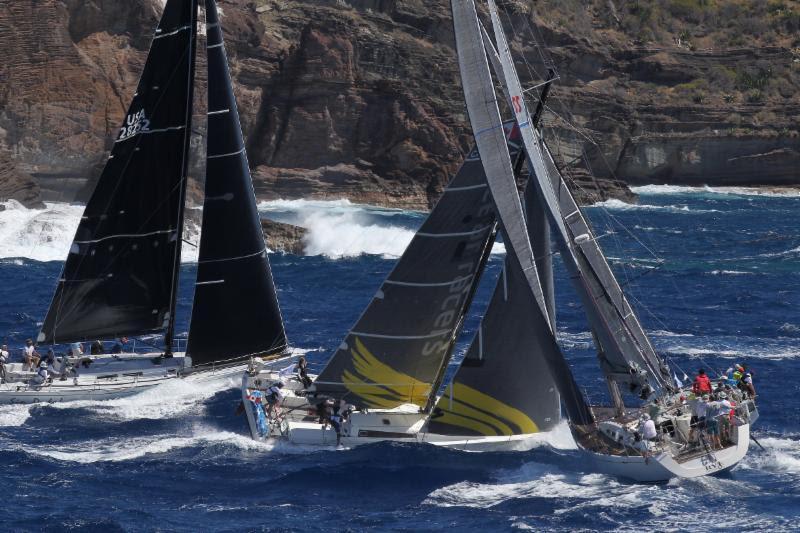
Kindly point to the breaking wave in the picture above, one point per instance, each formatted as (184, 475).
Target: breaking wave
(618, 205)
(46, 234)
(341, 229)
(735, 191)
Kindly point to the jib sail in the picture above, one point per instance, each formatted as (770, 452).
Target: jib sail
(234, 291)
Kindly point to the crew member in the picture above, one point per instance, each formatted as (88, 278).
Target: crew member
(701, 385)
(30, 356)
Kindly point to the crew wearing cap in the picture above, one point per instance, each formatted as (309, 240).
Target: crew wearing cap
(30, 356)
(42, 375)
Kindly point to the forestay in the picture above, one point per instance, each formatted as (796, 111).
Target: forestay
(397, 351)
(234, 292)
(485, 118)
(625, 352)
(121, 272)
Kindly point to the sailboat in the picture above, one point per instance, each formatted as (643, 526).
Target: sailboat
(626, 356)
(390, 366)
(392, 362)
(122, 272)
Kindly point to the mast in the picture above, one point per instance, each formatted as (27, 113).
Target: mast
(485, 119)
(625, 351)
(234, 289)
(176, 268)
(120, 275)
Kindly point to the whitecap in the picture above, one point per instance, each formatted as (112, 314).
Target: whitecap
(46, 234)
(14, 415)
(619, 205)
(783, 192)
(172, 399)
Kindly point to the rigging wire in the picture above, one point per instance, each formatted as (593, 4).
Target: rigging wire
(611, 221)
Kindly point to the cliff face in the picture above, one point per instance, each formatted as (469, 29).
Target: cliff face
(361, 98)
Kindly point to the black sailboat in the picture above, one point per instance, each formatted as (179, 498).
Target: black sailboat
(121, 275)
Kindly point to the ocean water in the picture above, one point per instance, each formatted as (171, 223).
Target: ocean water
(715, 275)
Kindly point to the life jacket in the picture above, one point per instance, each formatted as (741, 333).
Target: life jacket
(701, 384)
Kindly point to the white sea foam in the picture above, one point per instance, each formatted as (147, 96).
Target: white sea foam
(172, 399)
(614, 204)
(737, 191)
(14, 415)
(46, 234)
(786, 253)
(781, 455)
(340, 228)
(118, 449)
(730, 273)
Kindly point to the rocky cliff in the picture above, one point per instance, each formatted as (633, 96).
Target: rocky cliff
(361, 98)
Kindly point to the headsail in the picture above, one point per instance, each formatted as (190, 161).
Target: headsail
(120, 277)
(504, 386)
(485, 117)
(397, 351)
(234, 292)
(626, 354)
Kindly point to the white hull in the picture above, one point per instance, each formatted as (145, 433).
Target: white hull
(663, 466)
(299, 425)
(109, 378)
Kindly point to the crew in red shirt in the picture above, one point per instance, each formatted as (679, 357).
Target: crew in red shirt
(701, 385)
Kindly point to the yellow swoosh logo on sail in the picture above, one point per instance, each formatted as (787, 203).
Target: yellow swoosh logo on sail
(479, 412)
(379, 385)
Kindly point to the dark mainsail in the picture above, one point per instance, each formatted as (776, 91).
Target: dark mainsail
(120, 276)
(234, 292)
(504, 386)
(397, 351)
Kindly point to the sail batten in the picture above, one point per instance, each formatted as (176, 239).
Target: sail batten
(120, 274)
(234, 292)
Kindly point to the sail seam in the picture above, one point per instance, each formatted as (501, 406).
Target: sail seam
(428, 284)
(398, 337)
(182, 28)
(225, 155)
(218, 112)
(233, 258)
(458, 234)
(126, 235)
(466, 187)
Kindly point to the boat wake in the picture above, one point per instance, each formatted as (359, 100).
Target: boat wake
(781, 456)
(172, 399)
(114, 449)
(14, 415)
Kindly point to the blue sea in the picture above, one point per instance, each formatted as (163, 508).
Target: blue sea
(714, 274)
